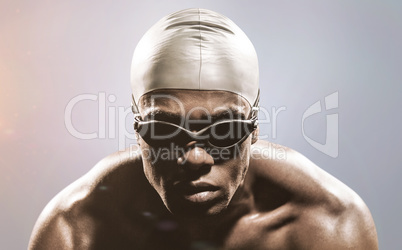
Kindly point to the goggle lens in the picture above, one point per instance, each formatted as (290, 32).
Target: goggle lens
(222, 134)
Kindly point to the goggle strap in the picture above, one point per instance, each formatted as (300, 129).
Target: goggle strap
(255, 108)
(257, 99)
(134, 107)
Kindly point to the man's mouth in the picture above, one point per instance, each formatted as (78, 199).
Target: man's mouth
(198, 191)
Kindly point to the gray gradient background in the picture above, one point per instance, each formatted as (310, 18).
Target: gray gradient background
(52, 51)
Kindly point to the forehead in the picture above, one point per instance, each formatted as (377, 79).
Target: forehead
(193, 103)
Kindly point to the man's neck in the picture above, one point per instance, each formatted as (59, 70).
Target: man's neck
(217, 226)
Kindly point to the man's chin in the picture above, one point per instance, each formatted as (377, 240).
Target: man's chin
(197, 210)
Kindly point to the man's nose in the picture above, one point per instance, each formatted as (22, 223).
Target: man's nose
(196, 158)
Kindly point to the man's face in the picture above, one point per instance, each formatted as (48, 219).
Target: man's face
(191, 176)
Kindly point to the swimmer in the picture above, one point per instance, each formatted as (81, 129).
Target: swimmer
(199, 177)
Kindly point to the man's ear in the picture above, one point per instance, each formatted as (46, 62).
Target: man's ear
(137, 137)
(254, 135)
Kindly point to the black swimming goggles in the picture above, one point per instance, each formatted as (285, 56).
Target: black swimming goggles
(221, 134)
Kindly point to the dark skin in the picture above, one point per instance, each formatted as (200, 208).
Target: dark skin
(281, 201)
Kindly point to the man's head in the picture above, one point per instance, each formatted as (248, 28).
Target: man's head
(195, 49)
(195, 82)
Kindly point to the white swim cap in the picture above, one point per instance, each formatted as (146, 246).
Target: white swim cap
(195, 49)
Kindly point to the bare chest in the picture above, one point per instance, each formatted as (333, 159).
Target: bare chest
(259, 231)
(255, 231)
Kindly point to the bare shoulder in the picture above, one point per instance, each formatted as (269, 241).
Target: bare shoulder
(71, 217)
(326, 213)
